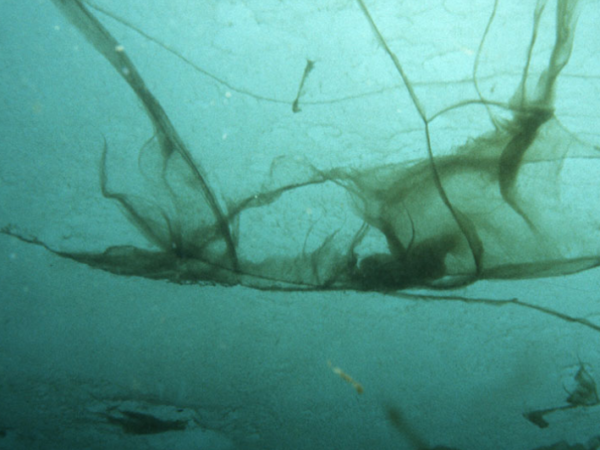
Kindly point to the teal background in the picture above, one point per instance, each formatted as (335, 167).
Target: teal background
(252, 367)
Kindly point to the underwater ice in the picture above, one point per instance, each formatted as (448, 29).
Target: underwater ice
(509, 196)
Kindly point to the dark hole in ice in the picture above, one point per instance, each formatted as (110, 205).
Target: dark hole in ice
(133, 422)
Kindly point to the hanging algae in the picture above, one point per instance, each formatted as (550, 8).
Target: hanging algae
(491, 208)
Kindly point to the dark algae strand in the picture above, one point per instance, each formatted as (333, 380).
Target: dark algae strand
(489, 207)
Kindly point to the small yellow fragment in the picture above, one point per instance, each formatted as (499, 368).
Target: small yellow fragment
(347, 378)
